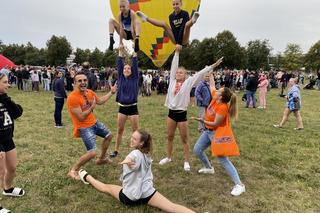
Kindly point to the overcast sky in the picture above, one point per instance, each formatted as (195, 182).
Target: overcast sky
(85, 22)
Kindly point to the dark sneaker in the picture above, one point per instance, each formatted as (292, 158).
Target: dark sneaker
(114, 154)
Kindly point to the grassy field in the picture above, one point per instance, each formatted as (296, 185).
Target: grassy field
(280, 167)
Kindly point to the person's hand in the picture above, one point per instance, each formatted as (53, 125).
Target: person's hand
(178, 48)
(217, 63)
(130, 162)
(114, 88)
(195, 118)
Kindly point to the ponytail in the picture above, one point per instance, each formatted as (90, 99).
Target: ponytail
(233, 108)
(228, 96)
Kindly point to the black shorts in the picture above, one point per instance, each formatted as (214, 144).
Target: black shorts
(142, 201)
(128, 34)
(129, 110)
(178, 115)
(7, 145)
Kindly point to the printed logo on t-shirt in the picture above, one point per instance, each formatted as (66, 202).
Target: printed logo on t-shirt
(177, 22)
(7, 119)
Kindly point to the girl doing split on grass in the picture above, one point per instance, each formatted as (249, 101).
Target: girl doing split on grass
(127, 26)
(222, 107)
(127, 96)
(180, 23)
(137, 179)
(177, 100)
(8, 153)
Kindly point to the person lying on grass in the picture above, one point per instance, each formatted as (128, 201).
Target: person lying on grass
(136, 190)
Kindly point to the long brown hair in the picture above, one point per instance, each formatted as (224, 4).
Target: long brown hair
(146, 138)
(228, 96)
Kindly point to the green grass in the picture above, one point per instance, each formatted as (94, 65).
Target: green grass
(280, 167)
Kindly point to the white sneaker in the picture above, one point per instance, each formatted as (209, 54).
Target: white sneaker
(165, 160)
(195, 17)
(260, 107)
(238, 189)
(186, 166)
(205, 170)
(142, 16)
(82, 174)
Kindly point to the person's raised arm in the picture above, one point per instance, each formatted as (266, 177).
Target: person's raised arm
(120, 63)
(120, 31)
(105, 98)
(212, 82)
(174, 64)
(134, 66)
(199, 75)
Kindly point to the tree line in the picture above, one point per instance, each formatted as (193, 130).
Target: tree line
(255, 55)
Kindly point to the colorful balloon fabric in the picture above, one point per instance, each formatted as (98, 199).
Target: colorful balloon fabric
(153, 42)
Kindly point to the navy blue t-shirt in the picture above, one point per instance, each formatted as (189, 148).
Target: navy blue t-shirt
(177, 24)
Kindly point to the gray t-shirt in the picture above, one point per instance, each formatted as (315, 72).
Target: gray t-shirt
(137, 182)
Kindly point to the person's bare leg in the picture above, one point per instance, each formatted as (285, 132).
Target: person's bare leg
(183, 129)
(104, 147)
(11, 165)
(111, 189)
(73, 173)
(186, 32)
(299, 119)
(113, 26)
(121, 123)
(161, 202)
(134, 120)
(171, 129)
(286, 114)
(162, 24)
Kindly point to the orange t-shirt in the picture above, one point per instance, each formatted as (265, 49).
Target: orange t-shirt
(75, 100)
(216, 108)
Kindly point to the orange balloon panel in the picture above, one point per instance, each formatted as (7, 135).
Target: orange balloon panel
(153, 42)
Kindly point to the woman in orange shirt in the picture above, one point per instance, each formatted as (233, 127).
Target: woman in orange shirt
(222, 107)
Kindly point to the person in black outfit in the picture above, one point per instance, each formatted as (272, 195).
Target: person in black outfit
(19, 79)
(9, 111)
(180, 23)
(92, 80)
(251, 89)
(59, 96)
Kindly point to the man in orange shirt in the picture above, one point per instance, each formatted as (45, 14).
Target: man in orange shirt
(81, 103)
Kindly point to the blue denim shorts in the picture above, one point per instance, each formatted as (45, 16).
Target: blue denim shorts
(88, 135)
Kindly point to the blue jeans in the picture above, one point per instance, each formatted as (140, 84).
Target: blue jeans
(88, 135)
(58, 109)
(251, 94)
(202, 144)
(231, 170)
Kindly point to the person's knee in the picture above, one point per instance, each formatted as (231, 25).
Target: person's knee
(92, 154)
(170, 137)
(11, 170)
(120, 130)
(196, 151)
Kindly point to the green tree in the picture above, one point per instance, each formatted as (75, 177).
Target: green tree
(82, 55)
(15, 53)
(312, 58)
(34, 56)
(96, 58)
(58, 50)
(109, 58)
(292, 57)
(228, 47)
(258, 54)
